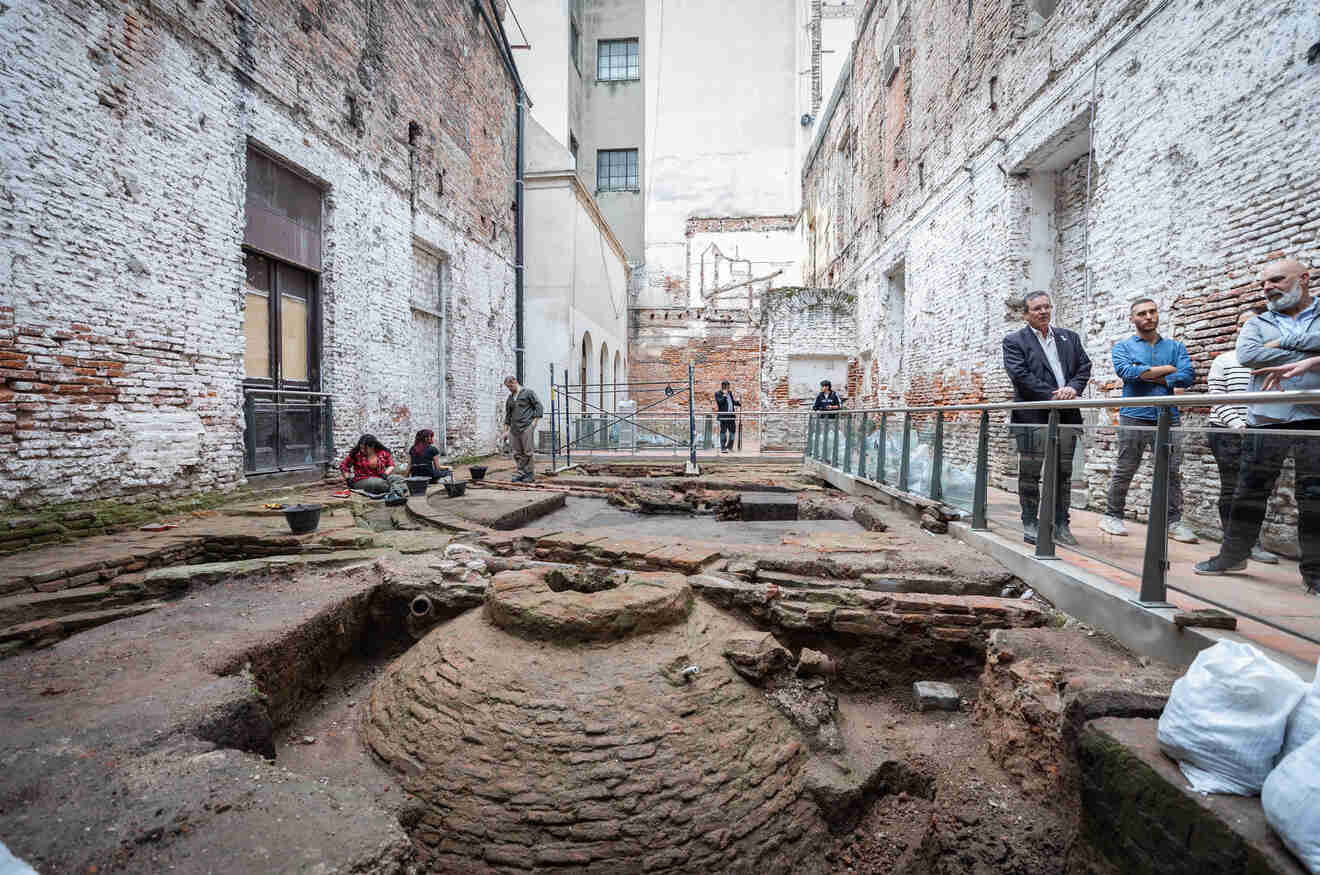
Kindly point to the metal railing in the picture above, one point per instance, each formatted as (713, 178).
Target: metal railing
(844, 440)
(286, 429)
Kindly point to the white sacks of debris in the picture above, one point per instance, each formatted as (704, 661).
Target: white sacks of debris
(1304, 723)
(1226, 718)
(1291, 799)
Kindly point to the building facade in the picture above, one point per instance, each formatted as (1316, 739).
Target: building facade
(218, 216)
(1101, 151)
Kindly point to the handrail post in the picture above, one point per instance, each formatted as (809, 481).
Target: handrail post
(1155, 568)
(882, 448)
(980, 492)
(861, 447)
(554, 447)
(692, 420)
(834, 445)
(568, 431)
(904, 462)
(811, 431)
(848, 446)
(937, 460)
(329, 425)
(1049, 486)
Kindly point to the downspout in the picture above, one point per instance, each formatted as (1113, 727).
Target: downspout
(506, 55)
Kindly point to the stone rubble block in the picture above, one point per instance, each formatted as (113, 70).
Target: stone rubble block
(757, 655)
(935, 695)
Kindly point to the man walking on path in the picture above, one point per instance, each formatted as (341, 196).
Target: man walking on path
(1045, 363)
(1289, 334)
(1150, 366)
(726, 404)
(1227, 424)
(522, 410)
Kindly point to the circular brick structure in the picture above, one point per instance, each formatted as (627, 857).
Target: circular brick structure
(586, 604)
(532, 755)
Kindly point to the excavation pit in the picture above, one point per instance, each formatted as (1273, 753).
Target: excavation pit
(581, 698)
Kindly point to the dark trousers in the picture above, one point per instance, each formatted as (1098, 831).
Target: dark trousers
(728, 432)
(1132, 444)
(1226, 446)
(1263, 454)
(1031, 443)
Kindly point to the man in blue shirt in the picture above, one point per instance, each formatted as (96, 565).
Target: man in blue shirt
(1150, 366)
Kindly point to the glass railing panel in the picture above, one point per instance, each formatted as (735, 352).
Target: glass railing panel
(958, 468)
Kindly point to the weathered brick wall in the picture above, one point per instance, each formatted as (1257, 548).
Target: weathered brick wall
(122, 175)
(1203, 170)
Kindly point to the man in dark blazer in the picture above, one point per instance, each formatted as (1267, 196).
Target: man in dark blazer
(1045, 363)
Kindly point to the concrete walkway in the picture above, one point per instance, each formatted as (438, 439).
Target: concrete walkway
(1271, 592)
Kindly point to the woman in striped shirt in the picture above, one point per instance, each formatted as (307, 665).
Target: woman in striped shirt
(1227, 422)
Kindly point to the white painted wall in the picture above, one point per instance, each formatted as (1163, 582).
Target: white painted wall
(545, 68)
(721, 119)
(576, 277)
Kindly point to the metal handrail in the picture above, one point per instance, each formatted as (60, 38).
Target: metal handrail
(1235, 399)
(822, 447)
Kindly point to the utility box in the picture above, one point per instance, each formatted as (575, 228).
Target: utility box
(627, 425)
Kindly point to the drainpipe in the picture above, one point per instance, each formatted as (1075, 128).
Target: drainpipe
(506, 55)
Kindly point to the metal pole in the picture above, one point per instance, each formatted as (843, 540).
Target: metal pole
(810, 451)
(692, 421)
(904, 464)
(568, 433)
(980, 492)
(937, 460)
(1049, 488)
(1155, 569)
(861, 448)
(848, 445)
(834, 444)
(554, 447)
(883, 448)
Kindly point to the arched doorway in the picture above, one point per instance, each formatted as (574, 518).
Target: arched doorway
(618, 378)
(604, 373)
(584, 369)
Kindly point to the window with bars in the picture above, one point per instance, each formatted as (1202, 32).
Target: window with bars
(616, 170)
(616, 60)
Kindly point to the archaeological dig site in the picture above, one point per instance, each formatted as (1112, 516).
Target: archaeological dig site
(653, 436)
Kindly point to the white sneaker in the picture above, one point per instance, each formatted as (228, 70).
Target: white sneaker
(1112, 525)
(1182, 532)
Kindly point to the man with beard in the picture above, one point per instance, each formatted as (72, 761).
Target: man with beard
(1289, 333)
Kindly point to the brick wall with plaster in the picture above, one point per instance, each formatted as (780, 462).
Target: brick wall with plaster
(121, 342)
(961, 169)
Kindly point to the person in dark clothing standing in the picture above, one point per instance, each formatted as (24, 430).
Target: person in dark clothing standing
(522, 410)
(827, 399)
(1045, 363)
(725, 405)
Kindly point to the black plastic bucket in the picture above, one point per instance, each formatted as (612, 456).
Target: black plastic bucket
(477, 471)
(417, 485)
(455, 489)
(303, 518)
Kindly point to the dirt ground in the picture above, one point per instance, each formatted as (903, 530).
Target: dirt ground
(977, 822)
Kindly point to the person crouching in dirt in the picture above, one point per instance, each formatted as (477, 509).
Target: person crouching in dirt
(522, 410)
(369, 467)
(422, 456)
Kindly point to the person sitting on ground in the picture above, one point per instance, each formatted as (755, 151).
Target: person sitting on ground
(1278, 346)
(1228, 422)
(369, 467)
(422, 456)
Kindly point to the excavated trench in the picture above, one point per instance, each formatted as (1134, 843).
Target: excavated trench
(549, 715)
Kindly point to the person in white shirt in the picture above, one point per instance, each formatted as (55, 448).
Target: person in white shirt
(1227, 423)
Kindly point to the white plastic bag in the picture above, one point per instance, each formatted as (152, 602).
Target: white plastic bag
(1304, 723)
(1225, 719)
(1291, 799)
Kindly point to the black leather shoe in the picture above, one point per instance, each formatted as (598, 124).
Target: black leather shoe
(1063, 535)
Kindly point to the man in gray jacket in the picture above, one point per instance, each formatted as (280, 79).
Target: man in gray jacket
(522, 410)
(1288, 333)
